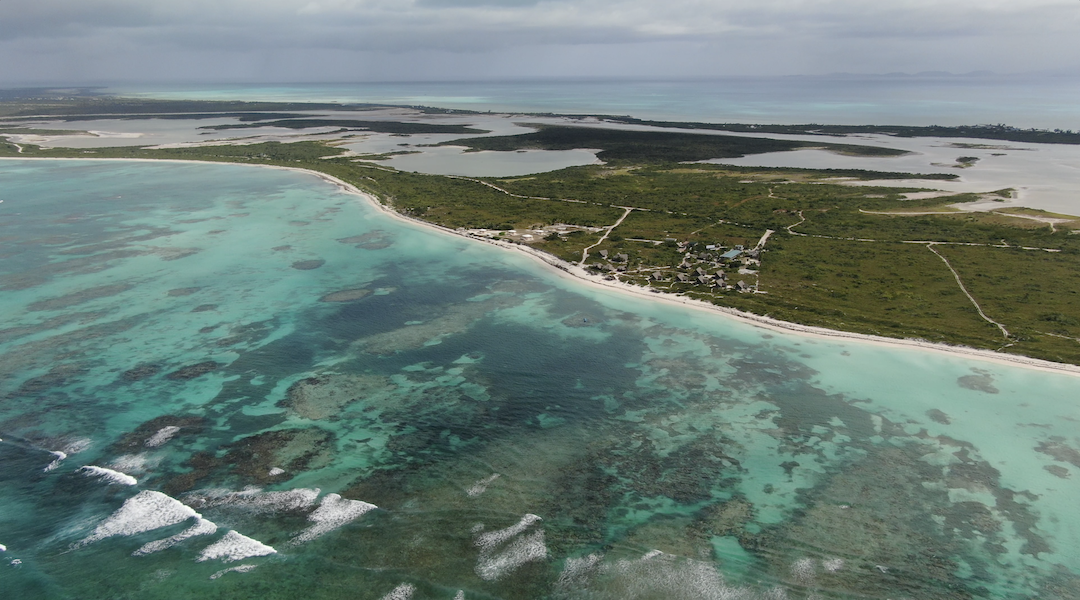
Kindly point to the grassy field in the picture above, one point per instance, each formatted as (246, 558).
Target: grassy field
(831, 262)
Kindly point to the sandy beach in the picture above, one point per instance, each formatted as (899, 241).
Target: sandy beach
(568, 270)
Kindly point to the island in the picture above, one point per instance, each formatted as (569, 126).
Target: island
(660, 213)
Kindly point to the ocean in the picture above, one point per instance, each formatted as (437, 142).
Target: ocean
(223, 381)
(1040, 101)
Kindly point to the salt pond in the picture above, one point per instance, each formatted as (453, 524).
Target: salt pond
(1043, 175)
(270, 359)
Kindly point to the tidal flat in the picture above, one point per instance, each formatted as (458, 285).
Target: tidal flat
(185, 415)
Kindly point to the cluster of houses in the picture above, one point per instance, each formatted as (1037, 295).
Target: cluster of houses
(706, 266)
(702, 268)
(616, 263)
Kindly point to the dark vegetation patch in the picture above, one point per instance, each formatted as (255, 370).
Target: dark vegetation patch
(141, 371)
(308, 265)
(1060, 451)
(251, 460)
(195, 370)
(346, 295)
(980, 381)
(372, 240)
(187, 291)
(62, 302)
(58, 376)
(938, 417)
(652, 146)
(135, 441)
(1057, 471)
(990, 132)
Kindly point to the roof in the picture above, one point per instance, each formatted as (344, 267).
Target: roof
(731, 254)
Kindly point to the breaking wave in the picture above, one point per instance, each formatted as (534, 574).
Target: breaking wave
(108, 475)
(333, 512)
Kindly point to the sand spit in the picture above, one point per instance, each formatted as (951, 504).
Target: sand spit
(569, 270)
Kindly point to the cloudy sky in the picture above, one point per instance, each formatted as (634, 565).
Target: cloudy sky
(86, 41)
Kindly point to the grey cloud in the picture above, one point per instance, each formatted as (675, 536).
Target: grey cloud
(352, 38)
(471, 3)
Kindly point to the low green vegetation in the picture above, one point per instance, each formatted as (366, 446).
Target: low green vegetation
(617, 145)
(860, 259)
(988, 132)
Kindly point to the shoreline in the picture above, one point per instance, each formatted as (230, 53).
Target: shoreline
(572, 271)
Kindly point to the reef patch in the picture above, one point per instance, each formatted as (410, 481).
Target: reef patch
(346, 295)
(308, 265)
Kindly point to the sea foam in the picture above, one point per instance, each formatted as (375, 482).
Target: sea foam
(404, 591)
(59, 458)
(507, 549)
(333, 512)
(133, 463)
(237, 569)
(488, 541)
(77, 445)
(233, 547)
(481, 486)
(146, 511)
(659, 575)
(524, 549)
(576, 572)
(201, 527)
(108, 475)
(163, 435)
(832, 565)
(254, 499)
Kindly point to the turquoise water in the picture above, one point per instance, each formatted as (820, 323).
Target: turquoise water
(1018, 100)
(285, 394)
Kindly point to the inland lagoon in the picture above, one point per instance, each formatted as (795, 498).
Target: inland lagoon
(235, 382)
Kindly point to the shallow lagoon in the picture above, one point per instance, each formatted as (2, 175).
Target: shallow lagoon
(257, 346)
(456, 160)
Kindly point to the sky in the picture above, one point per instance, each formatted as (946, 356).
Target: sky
(241, 41)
